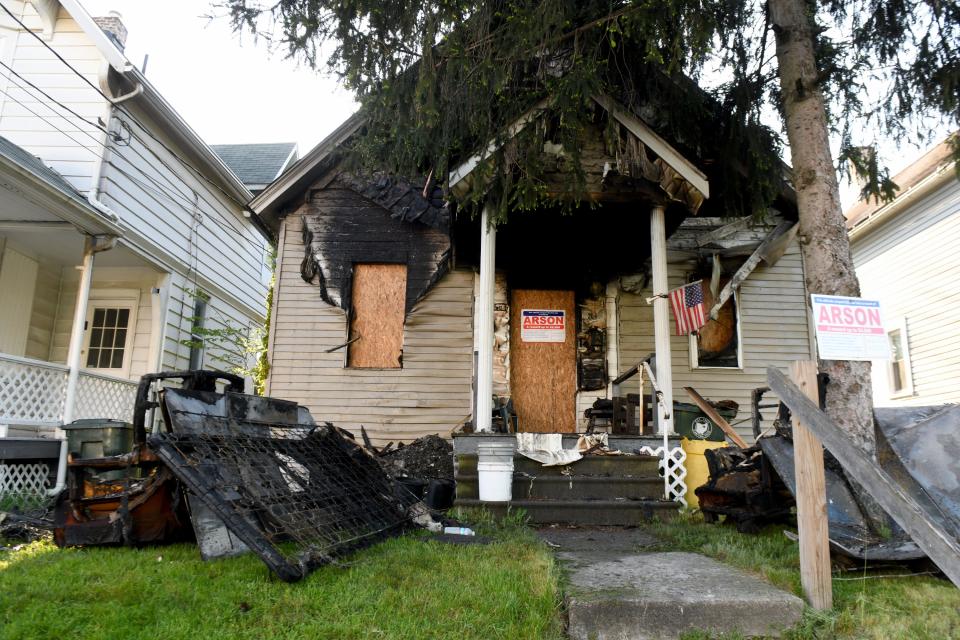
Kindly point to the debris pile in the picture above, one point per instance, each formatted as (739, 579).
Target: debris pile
(427, 457)
(744, 488)
(256, 473)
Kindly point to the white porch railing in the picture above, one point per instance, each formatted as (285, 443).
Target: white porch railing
(32, 393)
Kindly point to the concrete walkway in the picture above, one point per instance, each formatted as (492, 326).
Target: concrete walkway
(618, 591)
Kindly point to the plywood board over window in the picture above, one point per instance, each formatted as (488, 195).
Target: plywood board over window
(377, 313)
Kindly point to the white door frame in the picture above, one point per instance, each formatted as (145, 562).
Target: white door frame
(125, 298)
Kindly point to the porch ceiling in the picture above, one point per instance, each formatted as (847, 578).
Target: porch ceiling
(62, 245)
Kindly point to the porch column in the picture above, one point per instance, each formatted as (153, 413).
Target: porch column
(484, 320)
(92, 245)
(661, 316)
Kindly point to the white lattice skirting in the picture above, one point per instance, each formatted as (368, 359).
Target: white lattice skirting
(676, 471)
(24, 480)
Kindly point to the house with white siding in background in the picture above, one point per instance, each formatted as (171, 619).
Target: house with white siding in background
(143, 235)
(905, 252)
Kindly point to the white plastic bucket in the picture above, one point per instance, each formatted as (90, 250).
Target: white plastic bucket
(495, 471)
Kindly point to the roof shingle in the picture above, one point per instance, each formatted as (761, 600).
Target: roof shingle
(257, 165)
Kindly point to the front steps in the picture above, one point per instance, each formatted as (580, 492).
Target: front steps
(597, 490)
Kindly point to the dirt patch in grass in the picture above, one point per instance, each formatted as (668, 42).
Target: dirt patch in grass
(403, 588)
(868, 605)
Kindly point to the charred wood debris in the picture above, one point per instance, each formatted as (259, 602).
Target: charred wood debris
(240, 473)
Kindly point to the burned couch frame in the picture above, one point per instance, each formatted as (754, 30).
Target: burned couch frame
(296, 493)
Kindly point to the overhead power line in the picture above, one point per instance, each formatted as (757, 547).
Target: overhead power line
(157, 189)
(120, 108)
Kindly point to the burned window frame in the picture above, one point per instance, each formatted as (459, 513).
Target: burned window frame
(694, 343)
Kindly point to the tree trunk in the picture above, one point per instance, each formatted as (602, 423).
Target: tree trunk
(828, 265)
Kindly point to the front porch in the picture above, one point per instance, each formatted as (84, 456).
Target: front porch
(33, 396)
(81, 321)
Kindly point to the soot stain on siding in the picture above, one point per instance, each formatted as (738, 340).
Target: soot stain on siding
(381, 220)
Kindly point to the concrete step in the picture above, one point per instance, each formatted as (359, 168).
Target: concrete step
(628, 465)
(575, 487)
(611, 595)
(583, 512)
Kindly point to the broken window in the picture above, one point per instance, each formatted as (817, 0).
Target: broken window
(717, 344)
(378, 298)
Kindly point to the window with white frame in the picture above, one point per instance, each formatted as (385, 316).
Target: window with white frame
(718, 343)
(110, 328)
(899, 374)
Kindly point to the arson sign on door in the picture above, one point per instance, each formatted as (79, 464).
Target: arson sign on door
(543, 325)
(849, 328)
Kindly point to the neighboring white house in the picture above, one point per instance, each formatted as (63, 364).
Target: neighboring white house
(905, 253)
(102, 287)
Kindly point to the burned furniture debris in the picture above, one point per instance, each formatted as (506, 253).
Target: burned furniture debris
(296, 493)
(247, 472)
(744, 488)
(850, 533)
(128, 497)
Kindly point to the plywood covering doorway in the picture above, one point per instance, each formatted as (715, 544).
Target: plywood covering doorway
(543, 375)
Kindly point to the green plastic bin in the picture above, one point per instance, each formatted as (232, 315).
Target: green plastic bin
(692, 423)
(99, 438)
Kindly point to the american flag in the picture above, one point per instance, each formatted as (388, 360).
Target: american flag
(687, 304)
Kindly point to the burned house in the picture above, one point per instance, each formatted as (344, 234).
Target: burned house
(396, 311)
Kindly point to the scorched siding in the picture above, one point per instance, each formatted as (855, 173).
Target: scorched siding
(430, 394)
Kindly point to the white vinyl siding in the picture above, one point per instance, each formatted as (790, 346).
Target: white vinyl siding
(179, 222)
(38, 131)
(774, 331)
(166, 205)
(910, 264)
(430, 394)
(18, 280)
(46, 297)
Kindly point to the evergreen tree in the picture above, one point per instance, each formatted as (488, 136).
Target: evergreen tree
(437, 79)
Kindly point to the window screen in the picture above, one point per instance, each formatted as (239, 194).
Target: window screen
(379, 294)
(108, 337)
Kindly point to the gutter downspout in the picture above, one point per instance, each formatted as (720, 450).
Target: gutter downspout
(92, 246)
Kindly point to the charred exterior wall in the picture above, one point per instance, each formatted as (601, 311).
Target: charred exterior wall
(340, 228)
(429, 394)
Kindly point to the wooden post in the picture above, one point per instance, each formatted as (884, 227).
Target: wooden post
(811, 498)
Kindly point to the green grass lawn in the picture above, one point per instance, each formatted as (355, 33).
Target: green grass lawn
(867, 606)
(402, 588)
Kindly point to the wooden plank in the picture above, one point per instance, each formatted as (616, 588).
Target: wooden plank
(941, 548)
(747, 267)
(708, 409)
(812, 519)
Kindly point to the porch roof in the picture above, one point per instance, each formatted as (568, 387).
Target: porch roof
(34, 194)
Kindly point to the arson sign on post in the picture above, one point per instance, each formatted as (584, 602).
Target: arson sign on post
(543, 325)
(849, 328)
